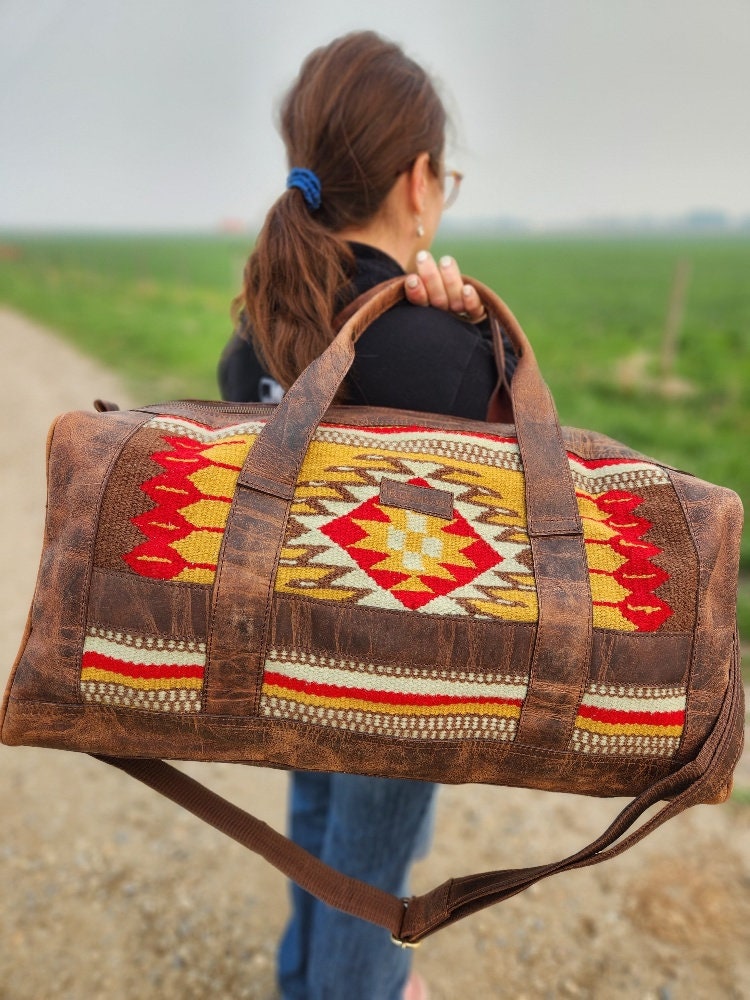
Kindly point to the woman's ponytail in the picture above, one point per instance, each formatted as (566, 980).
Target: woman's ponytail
(357, 116)
(295, 276)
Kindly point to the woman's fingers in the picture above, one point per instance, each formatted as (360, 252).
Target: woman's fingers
(453, 283)
(432, 280)
(440, 285)
(416, 293)
(473, 306)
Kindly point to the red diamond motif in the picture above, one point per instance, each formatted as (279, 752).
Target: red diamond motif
(416, 557)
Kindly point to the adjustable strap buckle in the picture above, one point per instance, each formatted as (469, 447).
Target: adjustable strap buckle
(404, 944)
(397, 940)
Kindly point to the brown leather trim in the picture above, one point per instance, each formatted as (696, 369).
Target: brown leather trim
(422, 499)
(216, 415)
(148, 607)
(270, 486)
(562, 648)
(241, 602)
(423, 642)
(714, 516)
(654, 659)
(344, 315)
(551, 507)
(591, 445)
(499, 407)
(27, 624)
(209, 412)
(270, 743)
(88, 443)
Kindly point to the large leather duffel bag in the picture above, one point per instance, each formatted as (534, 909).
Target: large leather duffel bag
(389, 593)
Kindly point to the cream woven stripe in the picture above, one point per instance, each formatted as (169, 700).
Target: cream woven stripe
(316, 674)
(642, 704)
(138, 694)
(645, 472)
(390, 440)
(448, 727)
(448, 440)
(188, 429)
(144, 654)
(428, 442)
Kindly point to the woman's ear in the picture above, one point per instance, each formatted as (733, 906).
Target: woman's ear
(418, 179)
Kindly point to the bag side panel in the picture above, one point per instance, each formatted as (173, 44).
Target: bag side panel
(27, 625)
(82, 450)
(714, 515)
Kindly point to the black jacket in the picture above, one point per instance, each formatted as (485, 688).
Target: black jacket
(412, 357)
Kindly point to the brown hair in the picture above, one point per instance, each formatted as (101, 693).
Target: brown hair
(358, 115)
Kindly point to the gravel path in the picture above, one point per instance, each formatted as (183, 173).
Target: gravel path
(110, 892)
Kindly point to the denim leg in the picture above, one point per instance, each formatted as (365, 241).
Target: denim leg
(309, 800)
(375, 828)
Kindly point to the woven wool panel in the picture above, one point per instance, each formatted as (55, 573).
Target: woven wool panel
(147, 672)
(643, 721)
(343, 545)
(391, 701)
(167, 505)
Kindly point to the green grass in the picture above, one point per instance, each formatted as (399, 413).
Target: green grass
(156, 309)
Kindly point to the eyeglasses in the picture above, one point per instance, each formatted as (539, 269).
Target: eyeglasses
(451, 186)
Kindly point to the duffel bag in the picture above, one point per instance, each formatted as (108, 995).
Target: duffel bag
(367, 590)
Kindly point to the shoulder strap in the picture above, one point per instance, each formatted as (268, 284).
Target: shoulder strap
(703, 779)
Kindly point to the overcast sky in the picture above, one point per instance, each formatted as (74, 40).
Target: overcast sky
(160, 113)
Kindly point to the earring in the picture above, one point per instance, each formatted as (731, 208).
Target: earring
(420, 228)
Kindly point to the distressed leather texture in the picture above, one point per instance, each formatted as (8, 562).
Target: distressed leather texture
(391, 593)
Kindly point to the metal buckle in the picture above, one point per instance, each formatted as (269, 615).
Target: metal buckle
(404, 944)
(397, 941)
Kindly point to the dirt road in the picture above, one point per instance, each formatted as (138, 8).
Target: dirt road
(110, 893)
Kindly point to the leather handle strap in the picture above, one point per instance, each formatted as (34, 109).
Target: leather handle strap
(498, 408)
(277, 455)
(703, 779)
(560, 660)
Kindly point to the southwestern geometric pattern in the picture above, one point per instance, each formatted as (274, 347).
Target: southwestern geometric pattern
(160, 675)
(346, 547)
(642, 721)
(191, 499)
(391, 700)
(342, 545)
(413, 556)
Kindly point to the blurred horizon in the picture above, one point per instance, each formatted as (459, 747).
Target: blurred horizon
(694, 224)
(566, 114)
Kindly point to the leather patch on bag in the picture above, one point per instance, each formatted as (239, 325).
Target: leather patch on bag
(422, 499)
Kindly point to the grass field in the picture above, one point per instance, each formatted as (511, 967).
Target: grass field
(157, 310)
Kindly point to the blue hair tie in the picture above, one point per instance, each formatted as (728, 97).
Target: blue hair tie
(308, 184)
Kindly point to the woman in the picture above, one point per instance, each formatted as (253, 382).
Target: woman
(364, 131)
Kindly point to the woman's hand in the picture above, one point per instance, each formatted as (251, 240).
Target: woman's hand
(440, 285)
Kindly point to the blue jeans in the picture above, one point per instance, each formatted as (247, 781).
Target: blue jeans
(372, 829)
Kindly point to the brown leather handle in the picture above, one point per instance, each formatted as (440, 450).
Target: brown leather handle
(242, 596)
(498, 407)
(562, 648)
(276, 457)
